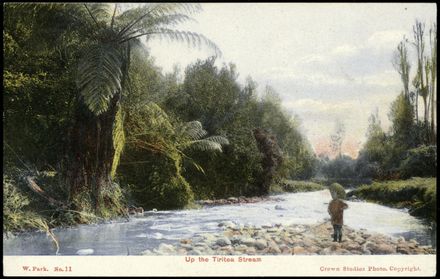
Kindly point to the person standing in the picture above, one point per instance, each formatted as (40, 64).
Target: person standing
(336, 209)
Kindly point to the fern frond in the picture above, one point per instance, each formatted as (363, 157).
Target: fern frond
(218, 139)
(102, 12)
(99, 76)
(205, 145)
(193, 130)
(191, 38)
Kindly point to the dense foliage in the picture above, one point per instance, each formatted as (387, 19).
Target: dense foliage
(85, 102)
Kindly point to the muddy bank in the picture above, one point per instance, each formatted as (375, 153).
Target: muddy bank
(290, 240)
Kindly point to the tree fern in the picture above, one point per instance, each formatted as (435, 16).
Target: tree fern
(193, 130)
(99, 76)
(204, 145)
(118, 140)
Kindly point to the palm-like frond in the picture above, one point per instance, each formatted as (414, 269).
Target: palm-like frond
(191, 38)
(100, 70)
(101, 12)
(99, 76)
(205, 145)
(193, 130)
(218, 139)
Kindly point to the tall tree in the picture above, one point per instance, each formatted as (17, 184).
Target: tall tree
(421, 77)
(102, 80)
(433, 87)
(402, 65)
(338, 137)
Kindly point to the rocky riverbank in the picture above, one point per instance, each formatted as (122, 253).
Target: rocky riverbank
(290, 240)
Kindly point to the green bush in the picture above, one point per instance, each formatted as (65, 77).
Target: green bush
(337, 190)
(420, 161)
(418, 194)
(293, 186)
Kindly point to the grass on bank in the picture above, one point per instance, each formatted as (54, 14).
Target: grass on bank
(295, 186)
(24, 210)
(417, 194)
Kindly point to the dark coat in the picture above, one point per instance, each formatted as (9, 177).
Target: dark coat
(336, 210)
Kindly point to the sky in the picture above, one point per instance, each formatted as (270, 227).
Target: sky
(328, 62)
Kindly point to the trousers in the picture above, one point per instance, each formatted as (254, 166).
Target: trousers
(337, 235)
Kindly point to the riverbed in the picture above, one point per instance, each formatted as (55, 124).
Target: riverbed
(154, 228)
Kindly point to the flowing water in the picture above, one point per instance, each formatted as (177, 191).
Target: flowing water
(148, 231)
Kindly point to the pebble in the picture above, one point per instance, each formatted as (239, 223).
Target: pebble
(287, 240)
(223, 241)
(84, 252)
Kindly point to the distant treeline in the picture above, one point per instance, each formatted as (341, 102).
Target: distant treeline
(409, 148)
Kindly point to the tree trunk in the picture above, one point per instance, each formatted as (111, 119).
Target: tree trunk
(433, 112)
(90, 157)
(272, 158)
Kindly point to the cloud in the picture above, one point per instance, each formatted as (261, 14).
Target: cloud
(385, 39)
(318, 106)
(345, 50)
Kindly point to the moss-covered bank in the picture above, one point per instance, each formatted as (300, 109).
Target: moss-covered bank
(417, 194)
(295, 186)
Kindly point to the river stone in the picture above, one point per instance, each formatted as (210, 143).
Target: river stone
(248, 241)
(325, 251)
(147, 253)
(298, 250)
(227, 248)
(403, 249)
(201, 244)
(352, 247)
(235, 239)
(273, 248)
(166, 248)
(195, 253)
(241, 248)
(84, 252)
(313, 250)
(383, 248)
(181, 251)
(340, 251)
(226, 224)
(286, 250)
(223, 241)
(400, 239)
(208, 237)
(279, 207)
(260, 244)
(251, 251)
(366, 235)
(186, 246)
(359, 240)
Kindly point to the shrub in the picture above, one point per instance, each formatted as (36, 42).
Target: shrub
(293, 186)
(420, 161)
(340, 167)
(337, 191)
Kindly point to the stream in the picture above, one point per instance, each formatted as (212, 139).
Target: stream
(148, 231)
